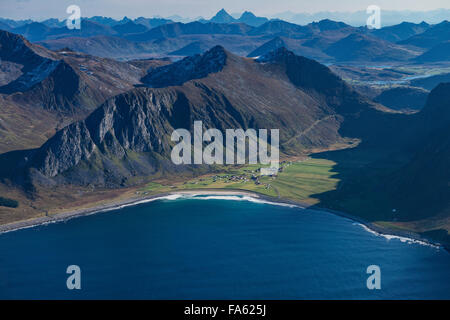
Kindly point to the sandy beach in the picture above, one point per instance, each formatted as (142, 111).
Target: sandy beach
(370, 227)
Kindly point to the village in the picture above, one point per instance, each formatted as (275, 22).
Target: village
(243, 176)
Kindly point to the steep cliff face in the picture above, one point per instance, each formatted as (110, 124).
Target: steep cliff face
(65, 150)
(128, 136)
(105, 146)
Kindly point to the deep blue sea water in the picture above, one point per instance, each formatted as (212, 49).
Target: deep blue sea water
(216, 249)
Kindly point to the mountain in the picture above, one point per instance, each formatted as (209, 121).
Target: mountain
(222, 17)
(122, 49)
(4, 26)
(37, 63)
(309, 41)
(360, 47)
(281, 28)
(173, 30)
(327, 25)
(430, 82)
(249, 18)
(440, 52)
(42, 89)
(193, 67)
(103, 46)
(403, 171)
(359, 18)
(151, 22)
(128, 137)
(65, 80)
(400, 31)
(103, 20)
(422, 185)
(399, 172)
(191, 49)
(129, 28)
(433, 36)
(54, 23)
(88, 28)
(295, 45)
(15, 23)
(403, 98)
(325, 40)
(269, 46)
(34, 31)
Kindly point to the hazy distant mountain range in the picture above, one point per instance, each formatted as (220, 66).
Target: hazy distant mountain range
(359, 18)
(327, 41)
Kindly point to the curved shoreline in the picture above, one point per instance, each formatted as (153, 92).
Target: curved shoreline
(61, 217)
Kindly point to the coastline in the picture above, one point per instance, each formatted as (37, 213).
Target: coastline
(64, 216)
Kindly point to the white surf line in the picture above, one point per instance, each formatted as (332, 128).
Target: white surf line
(37, 224)
(63, 218)
(402, 239)
(238, 197)
(121, 206)
(171, 197)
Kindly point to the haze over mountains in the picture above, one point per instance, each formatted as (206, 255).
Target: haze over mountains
(325, 40)
(359, 18)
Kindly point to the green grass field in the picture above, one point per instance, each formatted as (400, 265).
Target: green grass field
(298, 181)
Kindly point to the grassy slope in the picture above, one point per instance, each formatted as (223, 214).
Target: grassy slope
(298, 181)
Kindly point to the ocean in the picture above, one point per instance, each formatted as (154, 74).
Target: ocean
(217, 247)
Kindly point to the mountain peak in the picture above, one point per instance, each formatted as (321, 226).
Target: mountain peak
(189, 68)
(252, 20)
(276, 55)
(218, 49)
(267, 47)
(247, 14)
(307, 73)
(327, 24)
(222, 17)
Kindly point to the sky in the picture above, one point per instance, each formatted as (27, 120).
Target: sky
(43, 9)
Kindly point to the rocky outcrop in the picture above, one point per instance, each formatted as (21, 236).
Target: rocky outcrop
(65, 150)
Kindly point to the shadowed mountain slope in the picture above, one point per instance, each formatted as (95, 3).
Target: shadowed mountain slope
(405, 182)
(400, 31)
(431, 37)
(438, 53)
(360, 47)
